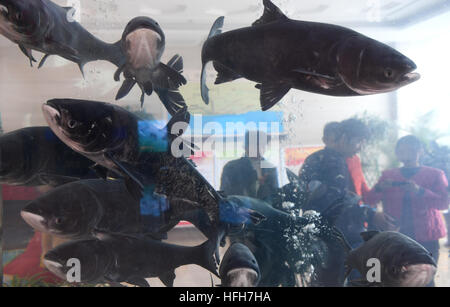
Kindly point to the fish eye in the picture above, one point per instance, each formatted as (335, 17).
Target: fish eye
(388, 73)
(72, 124)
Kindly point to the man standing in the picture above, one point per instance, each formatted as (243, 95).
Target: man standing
(251, 175)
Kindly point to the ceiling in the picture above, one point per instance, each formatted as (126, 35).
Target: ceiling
(196, 14)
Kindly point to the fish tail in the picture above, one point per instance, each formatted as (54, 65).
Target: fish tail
(216, 29)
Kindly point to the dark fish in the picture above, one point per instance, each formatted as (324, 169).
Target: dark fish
(46, 27)
(123, 258)
(404, 262)
(76, 209)
(99, 205)
(139, 151)
(35, 156)
(301, 242)
(143, 43)
(239, 267)
(280, 54)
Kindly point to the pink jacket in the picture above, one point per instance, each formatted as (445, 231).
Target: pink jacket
(428, 222)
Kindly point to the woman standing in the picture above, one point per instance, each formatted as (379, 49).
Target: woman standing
(414, 195)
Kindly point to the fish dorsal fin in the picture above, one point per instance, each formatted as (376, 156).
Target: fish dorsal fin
(369, 235)
(271, 13)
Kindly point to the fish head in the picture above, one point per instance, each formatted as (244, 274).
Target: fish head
(21, 19)
(92, 256)
(65, 212)
(239, 267)
(85, 126)
(412, 266)
(369, 67)
(144, 42)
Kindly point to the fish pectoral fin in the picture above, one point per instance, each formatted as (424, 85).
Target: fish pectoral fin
(173, 101)
(313, 74)
(42, 62)
(138, 281)
(168, 278)
(133, 182)
(118, 73)
(182, 116)
(126, 88)
(224, 74)
(271, 13)
(255, 217)
(271, 94)
(166, 77)
(28, 53)
(176, 62)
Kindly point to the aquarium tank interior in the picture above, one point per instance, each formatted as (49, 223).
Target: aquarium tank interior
(250, 143)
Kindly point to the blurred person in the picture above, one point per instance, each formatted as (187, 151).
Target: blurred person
(414, 195)
(251, 175)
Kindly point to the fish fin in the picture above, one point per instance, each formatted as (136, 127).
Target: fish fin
(42, 62)
(182, 116)
(271, 13)
(313, 74)
(28, 53)
(133, 176)
(81, 66)
(255, 217)
(369, 235)
(168, 278)
(203, 88)
(138, 281)
(224, 74)
(293, 177)
(271, 94)
(118, 73)
(217, 27)
(166, 77)
(67, 8)
(125, 89)
(148, 88)
(173, 101)
(204, 256)
(176, 62)
(142, 100)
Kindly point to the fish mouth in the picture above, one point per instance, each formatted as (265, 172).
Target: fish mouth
(418, 275)
(36, 221)
(410, 78)
(4, 11)
(55, 267)
(52, 114)
(242, 277)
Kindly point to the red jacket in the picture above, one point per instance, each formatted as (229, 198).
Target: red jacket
(428, 221)
(358, 179)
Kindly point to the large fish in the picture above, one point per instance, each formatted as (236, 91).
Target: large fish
(239, 267)
(131, 259)
(76, 209)
(138, 150)
(280, 54)
(404, 262)
(35, 156)
(46, 27)
(143, 43)
(99, 205)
